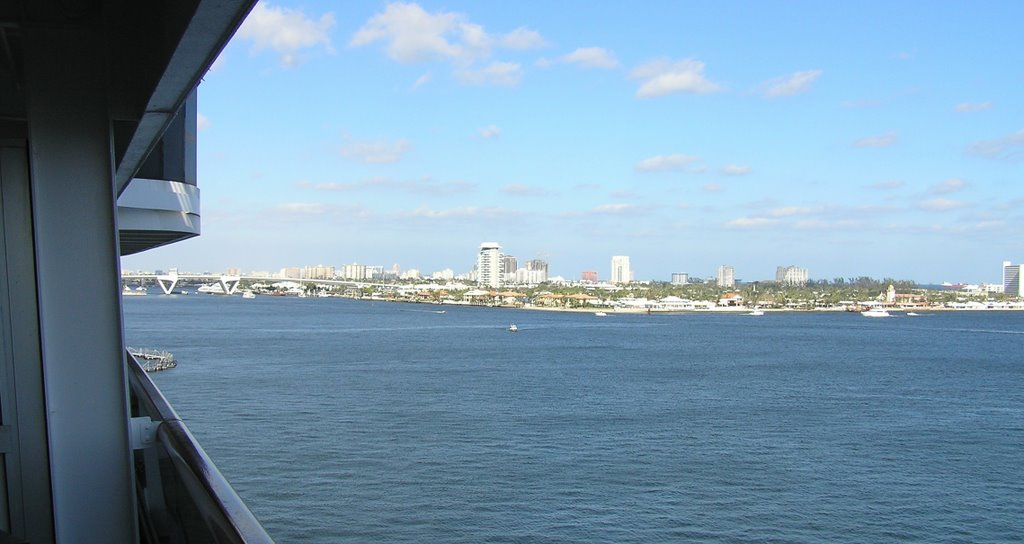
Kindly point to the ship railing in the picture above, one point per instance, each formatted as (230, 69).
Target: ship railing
(182, 497)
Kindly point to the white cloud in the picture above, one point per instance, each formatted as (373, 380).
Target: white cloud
(587, 57)
(202, 122)
(614, 209)
(735, 170)
(886, 185)
(422, 80)
(424, 186)
(941, 204)
(520, 189)
(971, 107)
(664, 76)
(949, 186)
(661, 163)
(286, 31)
(790, 211)
(882, 140)
(470, 212)
(789, 85)
(1010, 146)
(752, 223)
(506, 74)
(488, 132)
(523, 38)
(376, 151)
(411, 35)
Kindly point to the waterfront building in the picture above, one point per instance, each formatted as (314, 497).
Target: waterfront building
(292, 272)
(509, 265)
(588, 276)
(526, 276)
(318, 272)
(410, 274)
(620, 269)
(354, 271)
(375, 272)
(1013, 279)
(537, 264)
(726, 276)
(791, 275)
(446, 274)
(488, 265)
(680, 278)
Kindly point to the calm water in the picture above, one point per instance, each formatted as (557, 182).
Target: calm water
(350, 421)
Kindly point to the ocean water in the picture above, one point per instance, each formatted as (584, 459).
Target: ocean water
(353, 421)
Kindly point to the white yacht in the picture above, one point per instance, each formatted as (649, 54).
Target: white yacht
(875, 312)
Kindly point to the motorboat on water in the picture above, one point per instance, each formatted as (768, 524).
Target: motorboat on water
(912, 314)
(248, 294)
(875, 312)
(756, 312)
(600, 314)
(513, 328)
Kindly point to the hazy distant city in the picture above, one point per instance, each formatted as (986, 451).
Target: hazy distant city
(495, 269)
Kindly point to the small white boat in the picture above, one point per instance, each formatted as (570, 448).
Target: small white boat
(755, 311)
(600, 314)
(248, 294)
(875, 312)
(912, 314)
(513, 328)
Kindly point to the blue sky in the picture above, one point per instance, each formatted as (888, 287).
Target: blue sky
(863, 138)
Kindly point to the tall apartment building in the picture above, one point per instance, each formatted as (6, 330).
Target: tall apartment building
(509, 265)
(488, 265)
(588, 276)
(537, 264)
(726, 276)
(680, 278)
(620, 269)
(791, 275)
(1013, 279)
(353, 271)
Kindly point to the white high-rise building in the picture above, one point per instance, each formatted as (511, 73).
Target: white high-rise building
(680, 278)
(1013, 279)
(726, 276)
(791, 275)
(488, 265)
(620, 269)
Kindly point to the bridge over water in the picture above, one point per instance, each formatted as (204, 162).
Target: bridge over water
(229, 283)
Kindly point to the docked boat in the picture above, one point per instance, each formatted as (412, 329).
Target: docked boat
(875, 312)
(513, 328)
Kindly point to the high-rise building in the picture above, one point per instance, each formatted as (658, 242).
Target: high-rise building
(680, 278)
(353, 271)
(620, 269)
(726, 276)
(589, 276)
(1013, 279)
(509, 264)
(488, 265)
(791, 275)
(537, 264)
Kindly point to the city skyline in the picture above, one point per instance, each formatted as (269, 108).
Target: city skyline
(687, 136)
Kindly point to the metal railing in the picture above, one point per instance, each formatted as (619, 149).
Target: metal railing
(182, 497)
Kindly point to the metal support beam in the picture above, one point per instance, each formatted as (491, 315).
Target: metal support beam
(75, 229)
